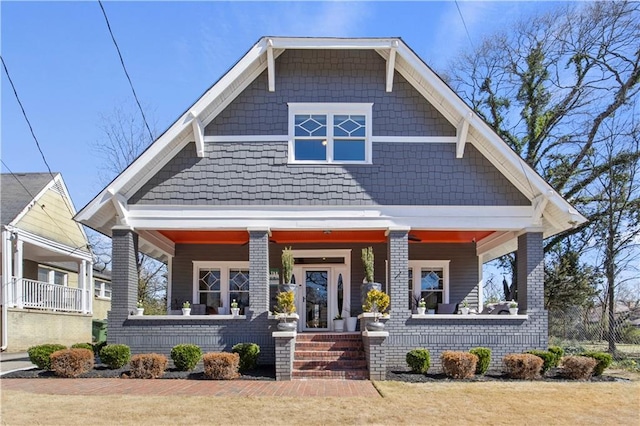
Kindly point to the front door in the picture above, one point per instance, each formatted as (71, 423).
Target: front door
(323, 287)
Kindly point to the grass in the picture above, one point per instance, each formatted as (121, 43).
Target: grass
(402, 403)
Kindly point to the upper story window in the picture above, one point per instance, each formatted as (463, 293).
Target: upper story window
(102, 289)
(321, 133)
(52, 276)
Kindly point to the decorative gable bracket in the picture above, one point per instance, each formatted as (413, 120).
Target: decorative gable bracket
(120, 204)
(198, 132)
(391, 64)
(463, 131)
(538, 204)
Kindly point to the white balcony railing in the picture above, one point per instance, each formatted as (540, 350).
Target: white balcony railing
(46, 296)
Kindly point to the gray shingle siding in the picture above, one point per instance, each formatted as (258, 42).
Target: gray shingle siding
(257, 173)
(330, 76)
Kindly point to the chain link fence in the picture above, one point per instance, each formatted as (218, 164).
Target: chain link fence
(578, 329)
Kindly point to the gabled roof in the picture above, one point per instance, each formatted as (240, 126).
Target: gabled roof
(555, 214)
(18, 191)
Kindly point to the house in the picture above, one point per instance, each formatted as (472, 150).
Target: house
(47, 267)
(328, 146)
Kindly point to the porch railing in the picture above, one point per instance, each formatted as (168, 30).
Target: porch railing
(46, 296)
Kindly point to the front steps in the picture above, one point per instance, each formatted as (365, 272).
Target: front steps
(329, 356)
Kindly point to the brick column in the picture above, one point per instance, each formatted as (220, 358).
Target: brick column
(376, 353)
(285, 347)
(530, 273)
(397, 280)
(124, 277)
(259, 271)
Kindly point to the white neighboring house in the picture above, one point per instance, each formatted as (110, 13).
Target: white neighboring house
(47, 267)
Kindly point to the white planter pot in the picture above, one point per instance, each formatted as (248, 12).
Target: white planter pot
(513, 311)
(139, 311)
(338, 325)
(421, 310)
(186, 311)
(352, 323)
(235, 311)
(465, 311)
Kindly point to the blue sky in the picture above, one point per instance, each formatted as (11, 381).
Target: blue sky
(67, 72)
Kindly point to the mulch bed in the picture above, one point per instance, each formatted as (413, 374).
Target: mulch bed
(553, 375)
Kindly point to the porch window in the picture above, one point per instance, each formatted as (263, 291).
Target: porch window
(428, 280)
(51, 276)
(330, 133)
(216, 285)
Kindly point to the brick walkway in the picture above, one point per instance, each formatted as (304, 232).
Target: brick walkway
(309, 388)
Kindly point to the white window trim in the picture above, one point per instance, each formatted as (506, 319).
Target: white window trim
(418, 264)
(224, 268)
(98, 284)
(51, 279)
(330, 109)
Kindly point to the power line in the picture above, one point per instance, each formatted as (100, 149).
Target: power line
(15, 92)
(464, 24)
(125, 70)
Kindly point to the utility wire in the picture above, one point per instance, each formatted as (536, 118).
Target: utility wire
(125, 70)
(464, 24)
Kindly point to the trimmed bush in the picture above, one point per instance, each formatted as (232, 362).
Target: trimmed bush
(578, 367)
(185, 356)
(603, 360)
(484, 359)
(548, 359)
(458, 365)
(115, 356)
(248, 355)
(522, 366)
(419, 360)
(221, 365)
(72, 362)
(558, 352)
(82, 346)
(148, 366)
(40, 355)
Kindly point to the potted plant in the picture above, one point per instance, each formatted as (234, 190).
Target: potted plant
(376, 302)
(287, 271)
(465, 308)
(186, 308)
(338, 323)
(139, 308)
(234, 308)
(431, 308)
(368, 284)
(513, 308)
(351, 322)
(285, 311)
(422, 306)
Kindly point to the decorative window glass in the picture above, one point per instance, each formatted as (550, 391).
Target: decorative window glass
(330, 133)
(428, 280)
(217, 284)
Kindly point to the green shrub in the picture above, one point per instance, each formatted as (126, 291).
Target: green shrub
(522, 366)
(40, 355)
(484, 359)
(72, 362)
(82, 346)
(419, 360)
(115, 356)
(603, 360)
(548, 359)
(558, 352)
(185, 356)
(248, 355)
(221, 366)
(578, 367)
(458, 365)
(630, 334)
(148, 366)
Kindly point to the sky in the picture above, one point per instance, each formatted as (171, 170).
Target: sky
(68, 75)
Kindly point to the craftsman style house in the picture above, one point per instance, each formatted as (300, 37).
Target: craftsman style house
(328, 146)
(47, 267)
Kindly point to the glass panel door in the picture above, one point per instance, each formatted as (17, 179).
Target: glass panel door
(316, 298)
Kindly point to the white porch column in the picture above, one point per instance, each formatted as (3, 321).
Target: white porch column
(7, 269)
(17, 266)
(91, 287)
(480, 285)
(82, 284)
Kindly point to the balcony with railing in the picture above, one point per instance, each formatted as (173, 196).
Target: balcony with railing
(32, 294)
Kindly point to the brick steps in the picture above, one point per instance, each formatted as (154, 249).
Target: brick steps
(329, 356)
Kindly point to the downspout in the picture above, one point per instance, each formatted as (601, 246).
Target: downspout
(6, 275)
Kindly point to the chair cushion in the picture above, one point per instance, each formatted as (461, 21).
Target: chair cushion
(447, 308)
